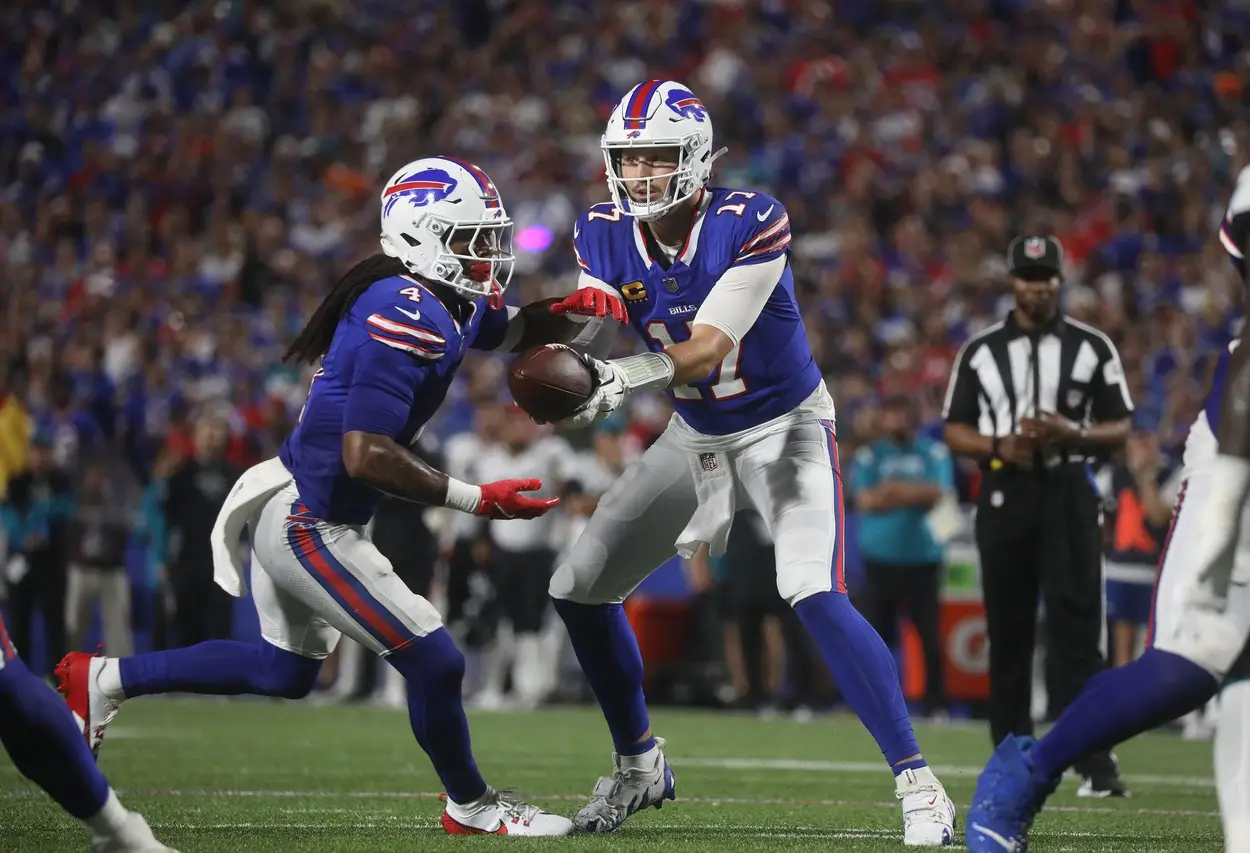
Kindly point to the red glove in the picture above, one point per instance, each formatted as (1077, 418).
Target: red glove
(503, 499)
(592, 302)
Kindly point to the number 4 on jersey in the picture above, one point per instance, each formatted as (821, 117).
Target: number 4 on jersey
(726, 383)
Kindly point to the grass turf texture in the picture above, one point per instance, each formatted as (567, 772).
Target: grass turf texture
(274, 776)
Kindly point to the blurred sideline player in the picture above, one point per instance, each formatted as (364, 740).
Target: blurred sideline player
(389, 337)
(45, 743)
(1200, 624)
(701, 273)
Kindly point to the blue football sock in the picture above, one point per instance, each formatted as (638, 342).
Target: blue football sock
(434, 670)
(608, 652)
(863, 669)
(221, 668)
(46, 745)
(1119, 703)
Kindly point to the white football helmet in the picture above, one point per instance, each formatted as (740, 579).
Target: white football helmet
(655, 114)
(444, 219)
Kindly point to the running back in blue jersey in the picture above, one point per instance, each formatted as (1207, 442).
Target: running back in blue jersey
(771, 371)
(393, 357)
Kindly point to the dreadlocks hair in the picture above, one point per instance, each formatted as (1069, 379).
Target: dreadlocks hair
(315, 340)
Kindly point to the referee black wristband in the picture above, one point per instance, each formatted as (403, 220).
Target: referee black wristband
(994, 447)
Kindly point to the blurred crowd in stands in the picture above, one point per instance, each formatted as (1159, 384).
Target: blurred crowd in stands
(179, 187)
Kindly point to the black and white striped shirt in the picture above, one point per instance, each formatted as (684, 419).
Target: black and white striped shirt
(1005, 374)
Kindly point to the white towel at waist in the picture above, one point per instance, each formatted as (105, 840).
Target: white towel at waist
(716, 491)
(242, 509)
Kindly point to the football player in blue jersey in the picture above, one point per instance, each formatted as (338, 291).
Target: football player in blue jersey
(701, 274)
(389, 338)
(42, 738)
(1200, 624)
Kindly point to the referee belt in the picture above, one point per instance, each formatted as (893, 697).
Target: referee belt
(1052, 460)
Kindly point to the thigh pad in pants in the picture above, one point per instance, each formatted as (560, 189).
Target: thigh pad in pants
(632, 531)
(312, 580)
(793, 480)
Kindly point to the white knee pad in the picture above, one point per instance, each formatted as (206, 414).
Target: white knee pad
(578, 579)
(796, 588)
(564, 584)
(1232, 765)
(800, 579)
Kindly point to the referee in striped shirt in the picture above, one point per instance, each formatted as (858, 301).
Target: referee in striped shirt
(1031, 398)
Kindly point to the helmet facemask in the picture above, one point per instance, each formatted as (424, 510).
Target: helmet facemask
(683, 181)
(474, 259)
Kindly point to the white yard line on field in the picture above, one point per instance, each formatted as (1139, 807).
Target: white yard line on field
(876, 767)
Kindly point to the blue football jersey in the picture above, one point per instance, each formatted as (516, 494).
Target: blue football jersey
(392, 359)
(771, 370)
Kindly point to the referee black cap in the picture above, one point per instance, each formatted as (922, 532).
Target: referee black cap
(1034, 253)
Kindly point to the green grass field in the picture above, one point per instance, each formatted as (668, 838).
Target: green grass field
(269, 776)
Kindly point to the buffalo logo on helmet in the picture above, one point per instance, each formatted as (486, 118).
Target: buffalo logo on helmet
(685, 104)
(1034, 248)
(424, 187)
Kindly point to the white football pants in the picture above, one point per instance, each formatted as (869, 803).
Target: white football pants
(789, 475)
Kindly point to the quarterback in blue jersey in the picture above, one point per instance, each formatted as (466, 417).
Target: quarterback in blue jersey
(702, 275)
(1199, 637)
(46, 746)
(389, 338)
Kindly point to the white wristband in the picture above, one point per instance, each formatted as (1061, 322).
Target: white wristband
(462, 496)
(649, 370)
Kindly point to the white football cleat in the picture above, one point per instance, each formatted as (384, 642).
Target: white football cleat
(636, 782)
(135, 836)
(928, 814)
(77, 679)
(499, 813)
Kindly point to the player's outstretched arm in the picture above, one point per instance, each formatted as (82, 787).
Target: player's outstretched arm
(726, 315)
(540, 324)
(508, 329)
(681, 363)
(688, 361)
(388, 375)
(380, 462)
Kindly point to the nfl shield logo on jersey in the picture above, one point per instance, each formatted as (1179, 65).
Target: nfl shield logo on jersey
(708, 461)
(1074, 398)
(670, 284)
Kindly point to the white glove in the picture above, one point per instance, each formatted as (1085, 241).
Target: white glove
(610, 390)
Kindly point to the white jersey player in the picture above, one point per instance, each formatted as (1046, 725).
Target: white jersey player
(702, 275)
(1199, 628)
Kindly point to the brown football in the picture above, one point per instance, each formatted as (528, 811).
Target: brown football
(550, 382)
